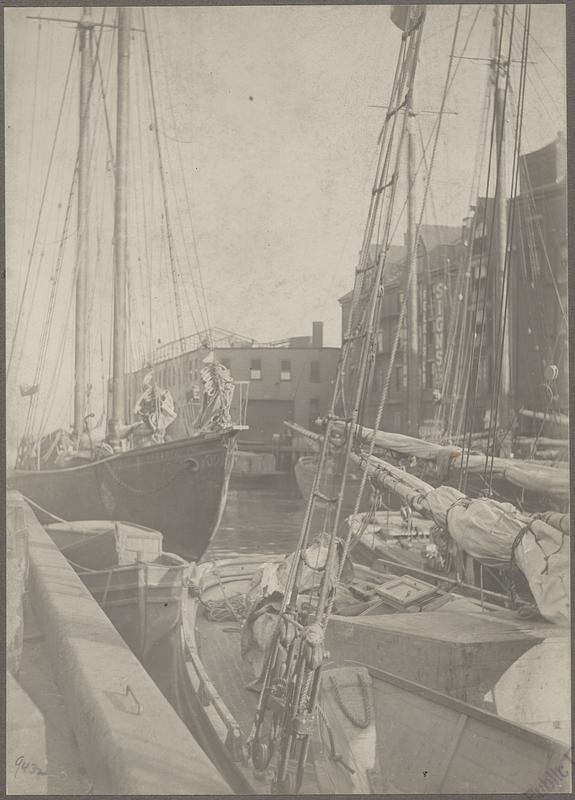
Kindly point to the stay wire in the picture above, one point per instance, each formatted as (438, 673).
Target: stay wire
(204, 312)
(383, 398)
(454, 377)
(171, 248)
(504, 306)
(544, 51)
(32, 148)
(470, 409)
(57, 272)
(55, 279)
(42, 201)
(498, 302)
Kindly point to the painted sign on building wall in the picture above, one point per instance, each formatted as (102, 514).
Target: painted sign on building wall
(438, 298)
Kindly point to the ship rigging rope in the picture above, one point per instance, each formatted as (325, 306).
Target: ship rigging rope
(383, 398)
(171, 248)
(432, 134)
(20, 314)
(51, 393)
(43, 346)
(102, 86)
(402, 88)
(460, 380)
(43, 510)
(545, 53)
(504, 301)
(94, 299)
(32, 150)
(147, 218)
(141, 198)
(305, 664)
(458, 340)
(164, 165)
(44, 337)
(377, 314)
(533, 219)
(49, 315)
(203, 309)
(477, 350)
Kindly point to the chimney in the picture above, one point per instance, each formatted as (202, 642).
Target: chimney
(317, 334)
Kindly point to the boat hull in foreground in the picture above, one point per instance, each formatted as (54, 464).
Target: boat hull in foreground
(436, 744)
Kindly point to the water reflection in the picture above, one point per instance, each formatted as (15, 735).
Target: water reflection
(260, 517)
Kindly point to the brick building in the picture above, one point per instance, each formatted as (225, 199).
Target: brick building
(438, 255)
(456, 269)
(290, 379)
(541, 267)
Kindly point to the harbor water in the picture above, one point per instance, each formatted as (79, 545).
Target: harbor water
(263, 516)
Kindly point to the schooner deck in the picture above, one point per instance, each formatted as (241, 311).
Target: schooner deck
(219, 649)
(462, 748)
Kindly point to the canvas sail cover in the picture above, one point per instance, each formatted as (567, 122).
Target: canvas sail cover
(543, 555)
(529, 475)
(538, 478)
(490, 530)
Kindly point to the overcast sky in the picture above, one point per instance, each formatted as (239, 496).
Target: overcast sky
(276, 140)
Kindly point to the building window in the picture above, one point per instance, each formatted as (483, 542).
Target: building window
(313, 412)
(430, 341)
(314, 372)
(399, 378)
(429, 374)
(285, 371)
(255, 369)
(479, 239)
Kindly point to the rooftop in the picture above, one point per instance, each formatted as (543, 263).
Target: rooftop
(431, 236)
(219, 338)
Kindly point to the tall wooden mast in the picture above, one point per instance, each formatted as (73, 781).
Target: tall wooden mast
(120, 228)
(500, 68)
(413, 354)
(83, 252)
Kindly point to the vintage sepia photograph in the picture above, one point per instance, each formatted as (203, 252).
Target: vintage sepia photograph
(287, 400)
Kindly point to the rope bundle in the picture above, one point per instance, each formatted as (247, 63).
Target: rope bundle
(228, 609)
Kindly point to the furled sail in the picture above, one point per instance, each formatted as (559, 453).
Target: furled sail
(488, 529)
(530, 475)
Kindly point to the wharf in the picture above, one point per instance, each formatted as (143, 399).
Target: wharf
(42, 755)
(72, 672)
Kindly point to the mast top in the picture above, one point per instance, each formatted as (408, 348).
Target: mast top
(83, 22)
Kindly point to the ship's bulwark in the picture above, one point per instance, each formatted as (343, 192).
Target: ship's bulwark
(178, 488)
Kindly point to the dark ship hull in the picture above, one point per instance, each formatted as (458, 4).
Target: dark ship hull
(177, 487)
